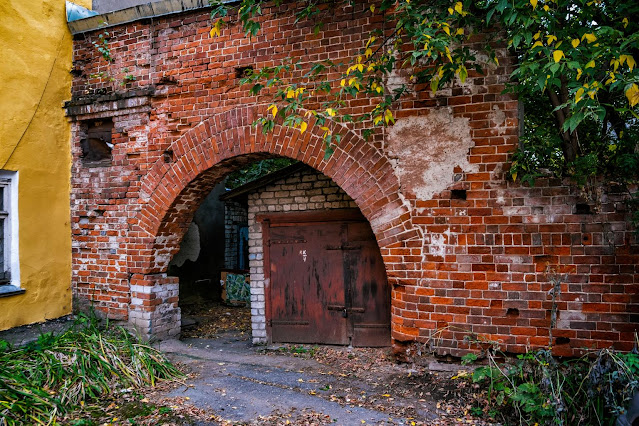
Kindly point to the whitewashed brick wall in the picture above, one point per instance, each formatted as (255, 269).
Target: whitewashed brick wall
(301, 191)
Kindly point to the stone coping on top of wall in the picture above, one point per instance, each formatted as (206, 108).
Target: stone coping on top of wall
(136, 13)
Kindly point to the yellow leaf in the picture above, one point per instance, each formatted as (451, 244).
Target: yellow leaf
(303, 127)
(459, 31)
(534, 3)
(331, 112)
(615, 64)
(550, 39)
(447, 30)
(590, 64)
(360, 67)
(536, 36)
(388, 116)
(575, 42)
(629, 60)
(589, 37)
(342, 83)
(557, 55)
(458, 7)
(625, 22)
(373, 8)
(633, 95)
(215, 31)
(274, 111)
(368, 52)
(579, 94)
(537, 43)
(579, 71)
(371, 40)
(290, 94)
(450, 10)
(514, 177)
(546, 8)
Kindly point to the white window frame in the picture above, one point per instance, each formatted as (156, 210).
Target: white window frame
(9, 181)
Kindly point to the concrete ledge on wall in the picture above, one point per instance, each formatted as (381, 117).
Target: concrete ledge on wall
(10, 290)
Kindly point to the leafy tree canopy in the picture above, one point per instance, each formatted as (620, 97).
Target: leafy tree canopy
(256, 170)
(576, 73)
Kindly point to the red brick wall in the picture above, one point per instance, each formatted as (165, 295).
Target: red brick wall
(456, 265)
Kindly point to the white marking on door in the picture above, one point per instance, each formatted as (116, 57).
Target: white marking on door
(303, 254)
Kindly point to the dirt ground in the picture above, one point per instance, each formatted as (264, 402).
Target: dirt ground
(211, 320)
(228, 381)
(231, 382)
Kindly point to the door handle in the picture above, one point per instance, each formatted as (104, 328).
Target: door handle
(336, 307)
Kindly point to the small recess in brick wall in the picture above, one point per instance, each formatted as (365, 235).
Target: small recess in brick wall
(97, 145)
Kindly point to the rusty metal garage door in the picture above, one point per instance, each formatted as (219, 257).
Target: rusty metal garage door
(327, 280)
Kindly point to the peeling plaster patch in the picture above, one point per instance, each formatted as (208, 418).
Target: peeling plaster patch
(565, 317)
(468, 87)
(427, 149)
(396, 81)
(436, 244)
(498, 118)
(383, 217)
(389, 213)
(190, 246)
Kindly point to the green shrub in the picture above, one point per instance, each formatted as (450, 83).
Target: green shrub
(537, 388)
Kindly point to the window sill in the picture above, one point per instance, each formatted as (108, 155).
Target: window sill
(7, 290)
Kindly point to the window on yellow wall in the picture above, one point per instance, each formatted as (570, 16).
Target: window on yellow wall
(5, 272)
(9, 264)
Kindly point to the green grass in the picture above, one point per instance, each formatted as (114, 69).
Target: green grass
(57, 374)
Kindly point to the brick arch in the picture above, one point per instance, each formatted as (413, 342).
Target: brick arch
(226, 142)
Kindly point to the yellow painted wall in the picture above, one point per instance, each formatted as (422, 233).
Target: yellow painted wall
(34, 81)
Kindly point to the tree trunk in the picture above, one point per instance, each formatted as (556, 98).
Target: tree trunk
(569, 141)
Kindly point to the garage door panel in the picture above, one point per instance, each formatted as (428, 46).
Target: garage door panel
(328, 284)
(368, 287)
(303, 282)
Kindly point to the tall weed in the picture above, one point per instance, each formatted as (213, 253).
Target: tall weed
(539, 389)
(58, 373)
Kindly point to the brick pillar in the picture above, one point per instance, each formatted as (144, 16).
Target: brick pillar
(154, 310)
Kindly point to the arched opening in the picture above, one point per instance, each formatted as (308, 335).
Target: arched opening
(299, 259)
(175, 185)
